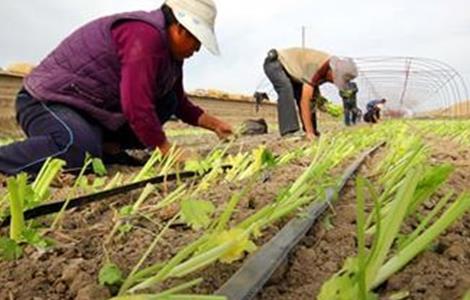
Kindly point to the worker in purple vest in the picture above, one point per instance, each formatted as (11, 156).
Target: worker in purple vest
(111, 85)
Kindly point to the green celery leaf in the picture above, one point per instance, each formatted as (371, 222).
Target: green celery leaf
(125, 228)
(99, 167)
(197, 212)
(126, 211)
(34, 238)
(110, 274)
(9, 249)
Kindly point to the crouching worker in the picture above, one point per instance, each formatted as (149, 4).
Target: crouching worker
(373, 110)
(296, 74)
(111, 85)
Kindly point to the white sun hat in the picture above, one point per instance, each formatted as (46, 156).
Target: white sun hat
(197, 16)
(344, 70)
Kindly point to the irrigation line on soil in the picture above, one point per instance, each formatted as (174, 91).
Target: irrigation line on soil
(54, 207)
(256, 271)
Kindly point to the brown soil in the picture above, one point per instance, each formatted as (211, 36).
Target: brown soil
(440, 273)
(70, 269)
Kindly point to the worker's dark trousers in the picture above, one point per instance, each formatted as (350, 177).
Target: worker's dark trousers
(371, 116)
(56, 130)
(377, 113)
(350, 114)
(349, 118)
(289, 94)
(286, 103)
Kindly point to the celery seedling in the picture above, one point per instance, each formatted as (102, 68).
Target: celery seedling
(17, 192)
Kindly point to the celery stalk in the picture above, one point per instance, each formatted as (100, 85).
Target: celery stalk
(17, 190)
(48, 172)
(454, 212)
(392, 226)
(361, 240)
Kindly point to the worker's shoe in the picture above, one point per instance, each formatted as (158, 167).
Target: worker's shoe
(294, 134)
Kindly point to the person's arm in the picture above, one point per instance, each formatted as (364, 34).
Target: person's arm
(305, 110)
(193, 115)
(222, 129)
(140, 48)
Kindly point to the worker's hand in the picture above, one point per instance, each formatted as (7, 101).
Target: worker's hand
(165, 148)
(223, 130)
(310, 136)
(317, 133)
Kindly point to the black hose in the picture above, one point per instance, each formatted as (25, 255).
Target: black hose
(54, 207)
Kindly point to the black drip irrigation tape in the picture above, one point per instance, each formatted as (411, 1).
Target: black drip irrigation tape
(55, 207)
(256, 271)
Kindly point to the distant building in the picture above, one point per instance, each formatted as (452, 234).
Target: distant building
(10, 84)
(218, 94)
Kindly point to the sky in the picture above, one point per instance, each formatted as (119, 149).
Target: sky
(247, 29)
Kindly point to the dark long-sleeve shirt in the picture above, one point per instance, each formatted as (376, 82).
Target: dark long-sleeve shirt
(372, 104)
(142, 53)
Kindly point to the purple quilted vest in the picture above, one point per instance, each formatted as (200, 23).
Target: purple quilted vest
(84, 71)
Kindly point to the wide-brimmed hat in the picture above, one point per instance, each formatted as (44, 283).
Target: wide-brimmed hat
(198, 17)
(344, 70)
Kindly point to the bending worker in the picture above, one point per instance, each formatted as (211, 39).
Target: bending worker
(111, 85)
(373, 110)
(296, 74)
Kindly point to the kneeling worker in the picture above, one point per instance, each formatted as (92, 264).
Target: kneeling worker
(111, 85)
(296, 74)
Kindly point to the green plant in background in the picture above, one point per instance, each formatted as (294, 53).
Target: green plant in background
(192, 131)
(5, 141)
(334, 110)
(326, 106)
(455, 130)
